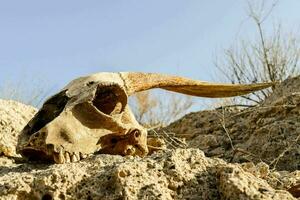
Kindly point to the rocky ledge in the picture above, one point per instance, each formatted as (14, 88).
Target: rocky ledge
(252, 153)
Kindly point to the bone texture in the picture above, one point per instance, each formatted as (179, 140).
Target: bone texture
(136, 82)
(91, 115)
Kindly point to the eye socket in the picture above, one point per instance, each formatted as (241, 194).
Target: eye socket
(110, 99)
(113, 140)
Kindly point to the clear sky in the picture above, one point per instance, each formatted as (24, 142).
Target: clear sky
(57, 41)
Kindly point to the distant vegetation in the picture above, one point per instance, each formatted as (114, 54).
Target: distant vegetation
(28, 91)
(155, 110)
(269, 58)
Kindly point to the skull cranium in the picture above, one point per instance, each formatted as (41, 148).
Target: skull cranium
(91, 114)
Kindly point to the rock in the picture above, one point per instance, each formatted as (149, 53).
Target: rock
(236, 184)
(176, 174)
(269, 132)
(13, 117)
(295, 190)
(262, 144)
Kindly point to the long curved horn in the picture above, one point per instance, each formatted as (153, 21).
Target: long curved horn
(136, 82)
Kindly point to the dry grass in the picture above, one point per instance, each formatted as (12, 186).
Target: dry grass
(159, 109)
(269, 58)
(27, 91)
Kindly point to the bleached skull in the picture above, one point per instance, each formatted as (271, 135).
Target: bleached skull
(91, 115)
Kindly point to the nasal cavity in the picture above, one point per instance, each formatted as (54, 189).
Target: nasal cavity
(135, 136)
(136, 133)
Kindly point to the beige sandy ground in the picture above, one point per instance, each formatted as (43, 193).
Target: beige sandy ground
(261, 163)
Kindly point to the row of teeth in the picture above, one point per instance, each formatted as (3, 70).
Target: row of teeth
(66, 157)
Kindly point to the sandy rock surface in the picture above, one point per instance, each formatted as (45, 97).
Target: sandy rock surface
(230, 154)
(269, 132)
(13, 117)
(177, 174)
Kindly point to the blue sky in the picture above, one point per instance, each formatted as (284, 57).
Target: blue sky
(57, 41)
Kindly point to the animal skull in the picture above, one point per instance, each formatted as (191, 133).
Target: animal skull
(91, 115)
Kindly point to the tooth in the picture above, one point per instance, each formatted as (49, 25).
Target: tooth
(82, 155)
(58, 149)
(129, 151)
(67, 157)
(59, 158)
(77, 156)
(55, 158)
(74, 158)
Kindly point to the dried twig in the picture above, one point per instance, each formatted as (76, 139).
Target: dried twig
(245, 152)
(170, 139)
(154, 110)
(276, 160)
(223, 124)
(270, 58)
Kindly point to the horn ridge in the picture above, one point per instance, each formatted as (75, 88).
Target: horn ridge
(137, 82)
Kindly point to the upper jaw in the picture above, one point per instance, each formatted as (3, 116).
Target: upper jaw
(35, 154)
(132, 143)
(67, 157)
(49, 155)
